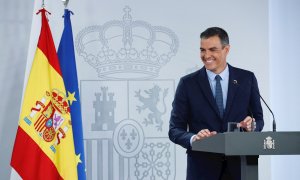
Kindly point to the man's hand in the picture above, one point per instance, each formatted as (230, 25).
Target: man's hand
(204, 133)
(246, 123)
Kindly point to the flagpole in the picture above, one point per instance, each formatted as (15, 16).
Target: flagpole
(43, 4)
(65, 2)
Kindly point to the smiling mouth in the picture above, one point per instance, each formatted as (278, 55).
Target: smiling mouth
(208, 61)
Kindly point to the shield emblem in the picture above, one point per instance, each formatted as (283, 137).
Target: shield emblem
(125, 129)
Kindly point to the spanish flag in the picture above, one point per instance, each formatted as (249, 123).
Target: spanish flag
(44, 145)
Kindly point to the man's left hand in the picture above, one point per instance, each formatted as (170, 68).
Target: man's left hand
(246, 123)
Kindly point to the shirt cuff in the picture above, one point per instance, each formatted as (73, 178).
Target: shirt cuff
(191, 140)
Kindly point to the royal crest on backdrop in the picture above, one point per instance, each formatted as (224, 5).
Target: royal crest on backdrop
(126, 111)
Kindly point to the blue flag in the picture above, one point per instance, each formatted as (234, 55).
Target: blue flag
(66, 57)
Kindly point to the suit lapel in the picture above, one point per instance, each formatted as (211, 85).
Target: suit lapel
(233, 85)
(202, 80)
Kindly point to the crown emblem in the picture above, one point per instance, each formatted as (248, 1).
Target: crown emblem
(127, 49)
(60, 102)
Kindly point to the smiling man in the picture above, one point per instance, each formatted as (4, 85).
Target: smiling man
(206, 100)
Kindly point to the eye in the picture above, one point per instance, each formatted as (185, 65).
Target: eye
(213, 49)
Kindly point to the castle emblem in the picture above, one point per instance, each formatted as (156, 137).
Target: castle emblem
(269, 143)
(127, 49)
(104, 118)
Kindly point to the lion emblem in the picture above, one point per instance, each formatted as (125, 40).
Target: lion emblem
(151, 103)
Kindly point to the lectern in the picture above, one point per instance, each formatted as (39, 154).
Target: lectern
(249, 145)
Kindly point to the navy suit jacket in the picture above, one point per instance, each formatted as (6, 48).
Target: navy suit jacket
(194, 107)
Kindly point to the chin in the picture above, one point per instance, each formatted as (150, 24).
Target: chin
(209, 67)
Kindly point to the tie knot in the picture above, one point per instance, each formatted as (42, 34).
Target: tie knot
(218, 78)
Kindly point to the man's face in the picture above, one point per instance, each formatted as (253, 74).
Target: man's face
(213, 54)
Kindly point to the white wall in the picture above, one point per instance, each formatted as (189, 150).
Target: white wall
(15, 22)
(284, 76)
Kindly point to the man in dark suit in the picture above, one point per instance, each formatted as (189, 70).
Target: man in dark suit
(206, 100)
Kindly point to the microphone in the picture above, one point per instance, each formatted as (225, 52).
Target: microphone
(274, 122)
(253, 123)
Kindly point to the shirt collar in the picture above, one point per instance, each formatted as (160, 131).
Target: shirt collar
(224, 74)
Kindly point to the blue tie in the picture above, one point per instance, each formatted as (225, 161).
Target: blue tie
(219, 95)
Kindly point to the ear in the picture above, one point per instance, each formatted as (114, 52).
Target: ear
(227, 48)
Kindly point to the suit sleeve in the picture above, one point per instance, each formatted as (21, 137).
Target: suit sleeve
(256, 105)
(179, 117)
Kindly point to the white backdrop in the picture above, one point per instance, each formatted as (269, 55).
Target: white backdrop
(15, 22)
(285, 86)
(176, 26)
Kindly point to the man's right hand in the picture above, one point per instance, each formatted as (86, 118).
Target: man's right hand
(204, 133)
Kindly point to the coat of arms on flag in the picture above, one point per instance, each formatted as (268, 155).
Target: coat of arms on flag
(48, 115)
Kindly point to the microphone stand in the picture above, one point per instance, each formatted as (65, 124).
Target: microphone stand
(274, 122)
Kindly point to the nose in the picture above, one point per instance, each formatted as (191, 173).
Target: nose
(205, 54)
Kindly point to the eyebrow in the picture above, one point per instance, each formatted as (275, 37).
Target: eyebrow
(212, 48)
